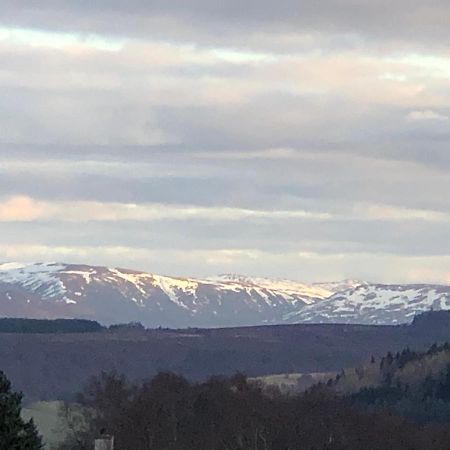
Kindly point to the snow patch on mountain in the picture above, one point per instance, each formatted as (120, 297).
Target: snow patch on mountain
(288, 289)
(87, 275)
(36, 277)
(375, 304)
(174, 287)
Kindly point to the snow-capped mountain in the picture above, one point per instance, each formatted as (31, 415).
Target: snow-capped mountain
(379, 304)
(109, 295)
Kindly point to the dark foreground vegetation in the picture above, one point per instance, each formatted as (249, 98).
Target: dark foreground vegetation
(400, 401)
(169, 413)
(15, 433)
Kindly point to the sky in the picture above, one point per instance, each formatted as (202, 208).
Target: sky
(290, 139)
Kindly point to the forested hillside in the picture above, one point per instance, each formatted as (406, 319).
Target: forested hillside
(48, 326)
(416, 385)
(56, 365)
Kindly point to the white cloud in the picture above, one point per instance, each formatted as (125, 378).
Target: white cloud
(21, 209)
(398, 213)
(58, 40)
(296, 265)
(426, 114)
(26, 209)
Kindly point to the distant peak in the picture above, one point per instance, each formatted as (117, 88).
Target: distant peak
(10, 266)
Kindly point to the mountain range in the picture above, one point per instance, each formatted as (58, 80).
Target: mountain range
(112, 295)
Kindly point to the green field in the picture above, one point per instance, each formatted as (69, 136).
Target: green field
(294, 383)
(45, 416)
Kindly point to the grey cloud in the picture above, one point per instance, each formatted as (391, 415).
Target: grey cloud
(405, 20)
(311, 181)
(87, 120)
(108, 189)
(405, 238)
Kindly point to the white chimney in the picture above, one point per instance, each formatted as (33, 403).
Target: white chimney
(105, 443)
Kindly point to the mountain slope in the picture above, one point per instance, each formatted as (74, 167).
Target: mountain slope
(108, 295)
(378, 304)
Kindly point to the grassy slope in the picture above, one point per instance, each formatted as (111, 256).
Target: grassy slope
(45, 416)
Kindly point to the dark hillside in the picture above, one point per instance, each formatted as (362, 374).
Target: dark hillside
(54, 366)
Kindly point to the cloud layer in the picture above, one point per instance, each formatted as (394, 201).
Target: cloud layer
(281, 139)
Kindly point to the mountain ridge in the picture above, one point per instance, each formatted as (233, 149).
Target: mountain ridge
(116, 295)
(376, 304)
(111, 295)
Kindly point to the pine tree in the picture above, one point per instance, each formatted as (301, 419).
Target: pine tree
(15, 433)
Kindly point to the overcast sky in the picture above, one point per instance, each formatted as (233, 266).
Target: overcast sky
(298, 139)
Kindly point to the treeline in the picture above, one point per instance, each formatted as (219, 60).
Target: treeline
(48, 326)
(44, 326)
(415, 385)
(169, 413)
